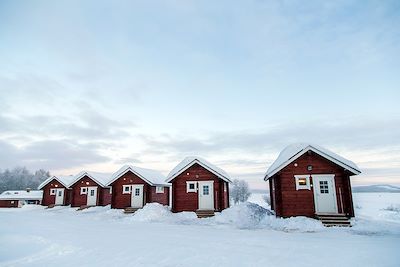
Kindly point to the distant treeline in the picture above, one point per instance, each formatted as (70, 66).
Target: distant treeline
(20, 178)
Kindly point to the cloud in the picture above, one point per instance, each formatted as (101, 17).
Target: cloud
(366, 134)
(54, 154)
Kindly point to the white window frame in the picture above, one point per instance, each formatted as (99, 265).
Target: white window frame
(126, 186)
(307, 186)
(188, 190)
(53, 191)
(84, 190)
(159, 189)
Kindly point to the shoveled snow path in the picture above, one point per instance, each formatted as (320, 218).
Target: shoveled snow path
(64, 237)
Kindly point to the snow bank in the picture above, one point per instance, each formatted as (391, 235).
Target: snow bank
(243, 216)
(293, 224)
(155, 212)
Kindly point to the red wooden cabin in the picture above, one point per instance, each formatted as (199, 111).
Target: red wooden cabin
(90, 189)
(56, 190)
(198, 185)
(134, 187)
(308, 180)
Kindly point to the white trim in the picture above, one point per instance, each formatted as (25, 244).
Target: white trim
(84, 190)
(53, 191)
(188, 190)
(315, 191)
(48, 180)
(129, 186)
(83, 174)
(129, 168)
(305, 150)
(187, 166)
(111, 190)
(159, 189)
(306, 186)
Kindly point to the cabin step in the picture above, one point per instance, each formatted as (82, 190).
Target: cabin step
(83, 207)
(130, 210)
(330, 220)
(204, 213)
(50, 206)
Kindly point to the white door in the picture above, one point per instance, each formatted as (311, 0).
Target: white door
(59, 196)
(324, 194)
(206, 195)
(137, 196)
(92, 196)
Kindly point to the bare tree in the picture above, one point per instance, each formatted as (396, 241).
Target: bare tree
(239, 191)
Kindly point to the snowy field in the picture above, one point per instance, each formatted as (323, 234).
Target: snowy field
(243, 235)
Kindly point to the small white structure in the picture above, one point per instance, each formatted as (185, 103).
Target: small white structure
(17, 198)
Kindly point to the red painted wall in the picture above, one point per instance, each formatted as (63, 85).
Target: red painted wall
(291, 202)
(50, 199)
(121, 201)
(103, 194)
(182, 201)
(8, 204)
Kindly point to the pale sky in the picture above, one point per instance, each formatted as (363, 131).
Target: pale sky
(97, 84)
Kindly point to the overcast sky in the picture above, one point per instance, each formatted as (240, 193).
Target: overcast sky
(96, 84)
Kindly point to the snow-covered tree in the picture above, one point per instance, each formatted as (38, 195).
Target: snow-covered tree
(267, 199)
(21, 178)
(239, 191)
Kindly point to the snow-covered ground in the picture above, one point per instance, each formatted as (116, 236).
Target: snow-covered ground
(243, 235)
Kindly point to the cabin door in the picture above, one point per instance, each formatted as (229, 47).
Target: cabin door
(206, 195)
(137, 196)
(59, 196)
(92, 196)
(324, 194)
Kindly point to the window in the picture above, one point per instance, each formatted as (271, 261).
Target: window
(323, 187)
(206, 190)
(60, 193)
(302, 182)
(53, 191)
(83, 190)
(137, 192)
(126, 189)
(191, 187)
(91, 192)
(159, 189)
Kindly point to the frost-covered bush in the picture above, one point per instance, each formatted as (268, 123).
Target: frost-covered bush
(239, 191)
(392, 207)
(267, 199)
(245, 215)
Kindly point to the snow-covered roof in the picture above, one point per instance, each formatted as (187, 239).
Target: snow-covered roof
(21, 195)
(189, 161)
(100, 178)
(294, 151)
(152, 177)
(64, 180)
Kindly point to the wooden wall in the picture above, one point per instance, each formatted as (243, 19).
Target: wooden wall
(8, 203)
